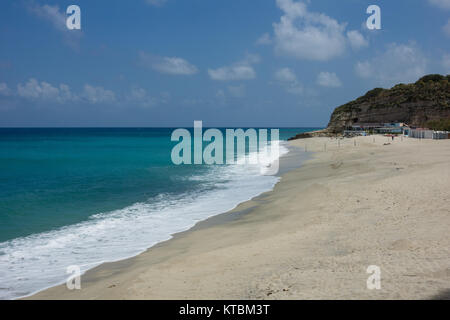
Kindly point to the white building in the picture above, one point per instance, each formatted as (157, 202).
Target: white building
(421, 133)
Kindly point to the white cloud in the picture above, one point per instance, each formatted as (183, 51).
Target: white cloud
(310, 35)
(36, 90)
(167, 65)
(4, 89)
(446, 63)
(57, 18)
(307, 35)
(65, 94)
(363, 69)
(156, 3)
(400, 63)
(265, 39)
(98, 94)
(241, 70)
(446, 28)
(141, 98)
(328, 79)
(444, 4)
(285, 75)
(50, 13)
(138, 94)
(237, 91)
(288, 80)
(45, 92)
(238, 72)
(41, 91)
(356, 39)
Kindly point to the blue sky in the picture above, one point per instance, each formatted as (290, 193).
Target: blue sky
(278, 63)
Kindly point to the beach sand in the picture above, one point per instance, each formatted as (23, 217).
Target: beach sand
(313, 237)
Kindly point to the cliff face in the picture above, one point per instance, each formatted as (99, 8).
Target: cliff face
(415, 104)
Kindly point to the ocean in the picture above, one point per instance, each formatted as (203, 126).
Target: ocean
(80, 196)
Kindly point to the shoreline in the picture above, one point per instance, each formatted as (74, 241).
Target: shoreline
(296, 241)
(293, 159)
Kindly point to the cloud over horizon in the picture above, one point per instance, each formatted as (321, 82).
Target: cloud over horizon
(35, 90)
(328, 79)
(357, 40)
(399, 63)
(4, 89)
(167, 65)
(98, 94)
(44, 92)
(241, 70)
(444, 4)
(288, 80)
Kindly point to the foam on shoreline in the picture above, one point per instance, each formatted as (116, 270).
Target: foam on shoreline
(37, 262)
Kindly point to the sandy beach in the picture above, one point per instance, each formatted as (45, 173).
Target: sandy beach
(354, 203)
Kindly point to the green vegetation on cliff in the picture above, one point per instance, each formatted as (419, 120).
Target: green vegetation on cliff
(428, 99)
(439, 125)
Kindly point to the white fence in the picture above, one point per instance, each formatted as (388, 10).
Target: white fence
(441, 135)
(428, 134)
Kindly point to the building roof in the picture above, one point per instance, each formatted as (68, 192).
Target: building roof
(367, 124)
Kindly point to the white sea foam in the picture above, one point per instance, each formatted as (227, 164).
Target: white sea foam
(39, 261)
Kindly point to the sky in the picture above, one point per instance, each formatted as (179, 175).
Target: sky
(229, 63)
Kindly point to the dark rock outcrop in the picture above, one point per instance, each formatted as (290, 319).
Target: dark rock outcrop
(415, 104)
(311, 134)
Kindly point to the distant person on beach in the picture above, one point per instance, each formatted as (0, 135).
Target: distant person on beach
(392, 138)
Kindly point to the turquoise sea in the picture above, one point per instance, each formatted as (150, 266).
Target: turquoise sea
(86, 196)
